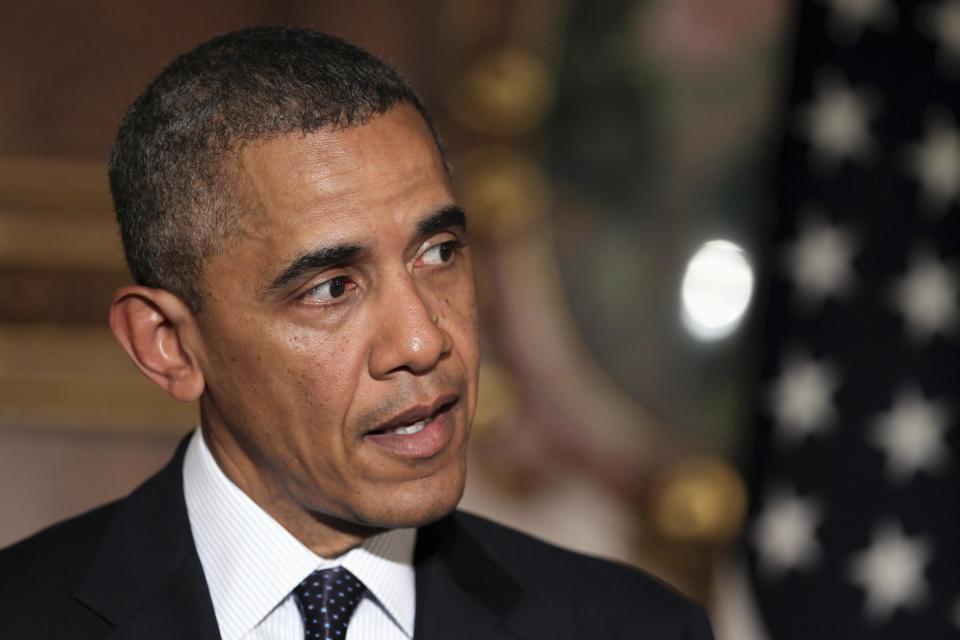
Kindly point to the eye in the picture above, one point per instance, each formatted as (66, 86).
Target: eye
(441, 253)
(329, 290)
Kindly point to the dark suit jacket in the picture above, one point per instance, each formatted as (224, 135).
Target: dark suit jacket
(130, 570)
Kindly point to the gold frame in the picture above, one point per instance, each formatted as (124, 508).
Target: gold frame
(57, 215)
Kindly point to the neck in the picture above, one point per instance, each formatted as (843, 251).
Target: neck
(325, 535)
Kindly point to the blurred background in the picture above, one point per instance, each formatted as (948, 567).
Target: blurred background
(716, 247)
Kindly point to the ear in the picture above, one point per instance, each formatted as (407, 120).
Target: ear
(158, 332)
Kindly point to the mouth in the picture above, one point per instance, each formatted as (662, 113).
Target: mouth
(419, 432)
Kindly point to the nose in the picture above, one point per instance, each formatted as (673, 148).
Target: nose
(410, 337)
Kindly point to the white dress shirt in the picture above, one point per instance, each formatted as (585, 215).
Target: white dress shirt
(252, 564)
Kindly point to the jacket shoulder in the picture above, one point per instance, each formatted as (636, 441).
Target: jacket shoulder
(603, 592)
(38, 576)
(55, 555)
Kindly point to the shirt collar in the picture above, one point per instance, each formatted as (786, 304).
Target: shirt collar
(384, 563)
(252, 563)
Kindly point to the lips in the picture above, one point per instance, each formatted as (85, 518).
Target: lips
(418, 415)
(419, 432)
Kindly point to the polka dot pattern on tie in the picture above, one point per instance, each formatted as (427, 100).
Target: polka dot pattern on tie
(327, 599)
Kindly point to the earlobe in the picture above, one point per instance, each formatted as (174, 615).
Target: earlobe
(152, 325)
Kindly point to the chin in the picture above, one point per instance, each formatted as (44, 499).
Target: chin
(423, 502)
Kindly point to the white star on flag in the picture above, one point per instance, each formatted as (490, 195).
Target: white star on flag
(848, 18)
(802, 398)
(784, 533)
(926, 297)
(935, 162)
(911, 435)
(820, 260)
(836, 124)
(890, 571)
(857, 417)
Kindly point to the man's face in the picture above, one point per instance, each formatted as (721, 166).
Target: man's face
(339, 330)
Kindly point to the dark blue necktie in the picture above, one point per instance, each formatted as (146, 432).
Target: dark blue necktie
(327, 599)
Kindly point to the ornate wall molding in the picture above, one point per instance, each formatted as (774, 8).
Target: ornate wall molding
(60, 260)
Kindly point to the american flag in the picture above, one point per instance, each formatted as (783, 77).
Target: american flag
(854, 528)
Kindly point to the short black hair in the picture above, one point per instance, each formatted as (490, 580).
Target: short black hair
(169, 181)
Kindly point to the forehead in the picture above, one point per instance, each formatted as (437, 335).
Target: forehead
(378, 173)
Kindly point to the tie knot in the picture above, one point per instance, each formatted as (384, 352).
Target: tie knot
(327, 599)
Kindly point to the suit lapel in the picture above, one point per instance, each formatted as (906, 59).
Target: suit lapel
(461, 591)
(145, 577)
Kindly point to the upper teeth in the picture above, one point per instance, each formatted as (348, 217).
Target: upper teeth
(416, 427)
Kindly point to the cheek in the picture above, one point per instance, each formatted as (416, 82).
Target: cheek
(459, 317)
(330, 376)
(322, 372)
(461, 305)
(458, 298)
(289, 382)
(319, 379)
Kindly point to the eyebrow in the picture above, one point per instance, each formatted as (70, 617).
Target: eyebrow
(448, 217)
(316, 260)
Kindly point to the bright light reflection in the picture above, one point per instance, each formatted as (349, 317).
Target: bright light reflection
(716, 291)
